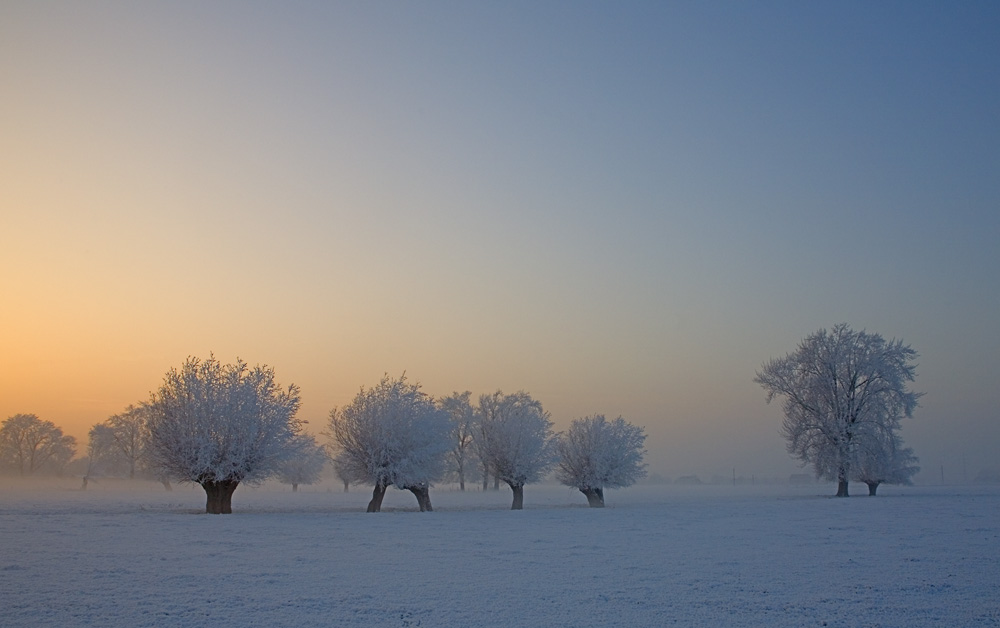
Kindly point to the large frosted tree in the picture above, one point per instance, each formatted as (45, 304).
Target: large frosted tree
(595, 454)
(221, 425)
(841, 388)
(515, 439)
(391, 435)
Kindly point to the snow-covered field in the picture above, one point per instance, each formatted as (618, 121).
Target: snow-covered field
(132, 554)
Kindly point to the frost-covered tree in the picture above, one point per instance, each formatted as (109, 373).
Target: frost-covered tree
(221, 425)
(392, 435)
(515, 439)
(595, 454)
(882, 459)
(28, 444)
(839, 388)
(130, 430)
(305, 466)
(462, 457)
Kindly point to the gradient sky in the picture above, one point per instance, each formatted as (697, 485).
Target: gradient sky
(621, 208)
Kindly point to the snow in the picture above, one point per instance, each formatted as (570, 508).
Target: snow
(131, 554)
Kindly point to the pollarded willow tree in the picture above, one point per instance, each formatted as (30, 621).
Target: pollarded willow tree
(595, 454)
(221, 425)
(392, 435)
(515, 439)
(841, 389)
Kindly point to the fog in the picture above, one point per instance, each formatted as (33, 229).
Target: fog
(622, 210)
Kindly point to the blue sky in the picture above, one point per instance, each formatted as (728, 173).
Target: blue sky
(621, 208)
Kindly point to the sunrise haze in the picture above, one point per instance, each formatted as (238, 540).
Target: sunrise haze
(620, 208)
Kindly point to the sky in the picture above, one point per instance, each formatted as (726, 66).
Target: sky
(621, 208)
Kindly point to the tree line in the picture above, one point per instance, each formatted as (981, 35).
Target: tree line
(221, 425)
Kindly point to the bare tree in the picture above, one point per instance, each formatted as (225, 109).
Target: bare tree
(221, 425)
(28, 444)
(840, 387)
(102, 454)
(595, 454)
(392, 435)
(462, 456)
(131, 435)
(516, 440)
(305, 466)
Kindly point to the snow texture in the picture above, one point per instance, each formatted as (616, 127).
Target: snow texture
(131, 554)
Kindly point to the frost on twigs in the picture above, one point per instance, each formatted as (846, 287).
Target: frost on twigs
(391, 435)
(595, 454)
(221, 425)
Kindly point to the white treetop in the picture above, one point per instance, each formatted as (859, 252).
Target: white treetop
(515, 437)
(392, 434)
(595, 453)
(212, 423)
(839, 388)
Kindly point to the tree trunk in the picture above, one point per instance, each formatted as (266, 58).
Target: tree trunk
(595, 496)
(378, 493)
(842, 488)
(872, 487)
(84, 487)
(518, 503)
(347, 488)
(423, 495)
(166, 485)
(295, 487)
(496, 483)
(219, 496)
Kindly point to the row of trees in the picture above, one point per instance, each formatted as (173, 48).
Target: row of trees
(395, 435)
(845, 393)
(222, 425)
